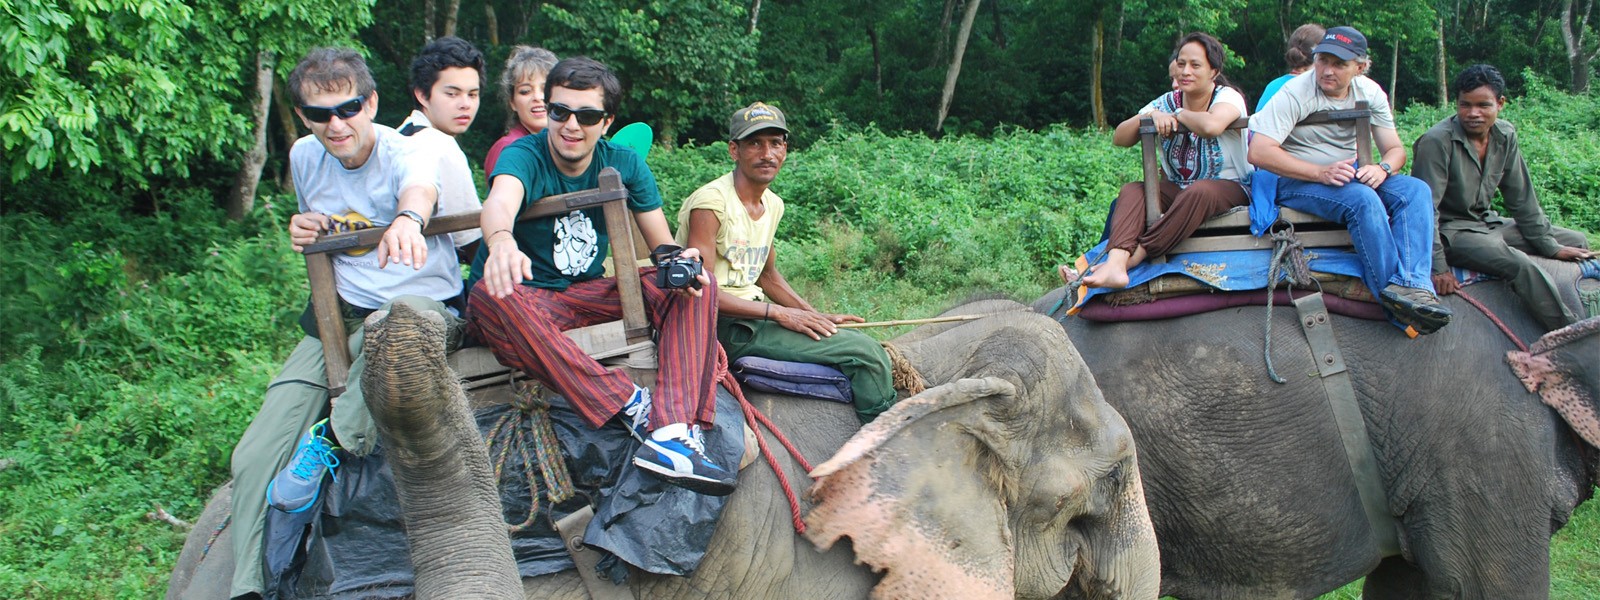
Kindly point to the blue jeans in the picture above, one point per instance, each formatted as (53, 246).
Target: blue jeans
(1391, 227)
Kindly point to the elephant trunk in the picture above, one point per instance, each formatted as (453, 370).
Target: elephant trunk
(1121, 561)
(459, 544)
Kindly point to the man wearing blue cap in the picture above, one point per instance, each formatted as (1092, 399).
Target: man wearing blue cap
(1390, 216)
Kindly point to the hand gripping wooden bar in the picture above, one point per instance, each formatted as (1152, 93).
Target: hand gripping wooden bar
(611, 196)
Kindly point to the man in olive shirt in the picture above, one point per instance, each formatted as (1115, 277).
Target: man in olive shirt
(1465, 159)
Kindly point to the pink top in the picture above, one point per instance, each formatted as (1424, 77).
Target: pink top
(516, 131)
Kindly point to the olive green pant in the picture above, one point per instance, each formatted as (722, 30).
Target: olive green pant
(297, 399)
(1502, 253)
(861, 358)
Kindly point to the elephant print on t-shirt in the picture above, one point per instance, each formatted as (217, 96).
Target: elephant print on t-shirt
(576, 244)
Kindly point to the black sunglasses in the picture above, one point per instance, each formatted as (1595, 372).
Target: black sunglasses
(586, 117)
(323, 114)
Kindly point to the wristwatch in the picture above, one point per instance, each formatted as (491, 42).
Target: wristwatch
(1387, 170)
(418, 218)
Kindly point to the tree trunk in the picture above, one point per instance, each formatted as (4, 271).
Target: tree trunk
(1572, 32)
(999, 32)
(943, 41)
(429, 19)
(877, 60)
(1096, 95)
(755, 15)
(955, 63)
(1444, 86)
(286, 119)
(1394, 77)
(1284, 22)
(243, 198)
(492, 22)
(450, 14)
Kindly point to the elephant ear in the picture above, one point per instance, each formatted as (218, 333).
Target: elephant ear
(910, 492)
(1562, 368)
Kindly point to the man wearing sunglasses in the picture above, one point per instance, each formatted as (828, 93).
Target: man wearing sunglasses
(734, 220)
(348, 174)
(532, 279)
(446, 77)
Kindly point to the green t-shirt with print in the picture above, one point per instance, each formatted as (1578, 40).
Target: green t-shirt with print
(567, 248)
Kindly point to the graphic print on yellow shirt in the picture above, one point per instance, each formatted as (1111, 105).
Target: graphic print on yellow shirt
(743, 244)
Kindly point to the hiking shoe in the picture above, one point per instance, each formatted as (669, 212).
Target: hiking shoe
(679, 459)
(636, 413)
(296, 487)
(1416, 307)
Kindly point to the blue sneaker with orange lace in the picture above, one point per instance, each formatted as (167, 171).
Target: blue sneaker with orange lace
(296, 487)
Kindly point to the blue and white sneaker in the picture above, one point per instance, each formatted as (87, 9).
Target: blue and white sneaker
(636, 413)
(673, 454)
(296, 487)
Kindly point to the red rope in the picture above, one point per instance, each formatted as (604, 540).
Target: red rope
(752, 417)
(1493, 319)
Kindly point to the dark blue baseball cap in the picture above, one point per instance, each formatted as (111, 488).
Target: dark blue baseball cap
(1343, 42)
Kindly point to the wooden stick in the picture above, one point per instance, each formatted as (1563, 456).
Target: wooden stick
(948, 319)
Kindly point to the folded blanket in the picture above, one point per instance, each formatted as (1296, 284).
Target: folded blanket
(794, 378)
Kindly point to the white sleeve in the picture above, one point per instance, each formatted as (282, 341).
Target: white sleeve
(1279, 116)
(1232, 96)
(1378, 101)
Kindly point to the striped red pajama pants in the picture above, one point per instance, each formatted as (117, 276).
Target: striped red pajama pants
(524, 332)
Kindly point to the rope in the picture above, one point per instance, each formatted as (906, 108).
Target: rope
(903, 373)
(1286, 248)
(753, 416)
(215, 533)
(1493, 319)
(509, 433)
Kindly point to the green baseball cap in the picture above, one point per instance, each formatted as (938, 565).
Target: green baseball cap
(753, 118)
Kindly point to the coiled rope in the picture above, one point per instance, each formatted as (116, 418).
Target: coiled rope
(903, 374)
(509, 433)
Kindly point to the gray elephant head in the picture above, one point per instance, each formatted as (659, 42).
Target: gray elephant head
(1017, 480)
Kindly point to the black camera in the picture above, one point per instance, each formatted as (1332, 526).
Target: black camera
(673, 271)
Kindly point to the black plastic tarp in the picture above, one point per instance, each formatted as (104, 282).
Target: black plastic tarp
(353, 544)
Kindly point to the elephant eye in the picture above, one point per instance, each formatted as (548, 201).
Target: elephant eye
(1115, 475)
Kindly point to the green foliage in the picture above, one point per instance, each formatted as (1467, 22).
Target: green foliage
(142, 88)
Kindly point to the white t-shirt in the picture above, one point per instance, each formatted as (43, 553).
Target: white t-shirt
(1235, 150)
(1319, 144)
(457, 192)
(367, 196)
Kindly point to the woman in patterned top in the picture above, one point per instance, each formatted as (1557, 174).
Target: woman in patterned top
(1205, 166)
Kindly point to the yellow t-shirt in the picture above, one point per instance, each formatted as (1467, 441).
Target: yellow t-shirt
(743, 244)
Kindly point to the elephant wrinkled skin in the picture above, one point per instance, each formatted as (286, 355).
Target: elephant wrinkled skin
(1009, 477)
(1248, 484)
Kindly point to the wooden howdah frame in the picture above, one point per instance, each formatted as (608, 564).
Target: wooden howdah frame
(611, 196)
(1231, 230)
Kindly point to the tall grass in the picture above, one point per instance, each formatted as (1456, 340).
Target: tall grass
(139, 342)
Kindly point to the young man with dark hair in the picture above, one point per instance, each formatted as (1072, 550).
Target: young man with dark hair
(1387, 213)
(1465, 159)
(536, 278)
(348, 174)
(734, 220)
(446, 79)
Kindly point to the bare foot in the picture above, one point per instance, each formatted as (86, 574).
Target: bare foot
(1068, 274)
(1108, 275)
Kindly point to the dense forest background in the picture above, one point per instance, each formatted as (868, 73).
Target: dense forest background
(943, 147)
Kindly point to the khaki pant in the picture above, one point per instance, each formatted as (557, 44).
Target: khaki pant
(1502, 252)
(295, 400)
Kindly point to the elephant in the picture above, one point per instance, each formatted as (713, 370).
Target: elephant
(1249, 486)
(1008, 477)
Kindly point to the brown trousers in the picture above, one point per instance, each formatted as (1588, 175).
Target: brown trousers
(1183, 210)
